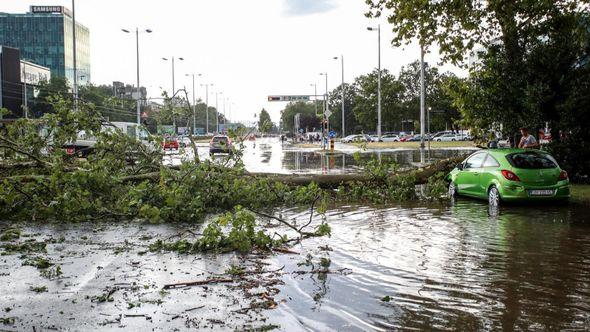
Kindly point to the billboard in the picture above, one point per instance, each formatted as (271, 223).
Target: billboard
(32, 74)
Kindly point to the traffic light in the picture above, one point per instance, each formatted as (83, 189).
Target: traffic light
(325, 124)
(274, 98)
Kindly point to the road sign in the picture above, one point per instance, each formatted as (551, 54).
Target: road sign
(327, 113)
(289, 98)
(332, 134)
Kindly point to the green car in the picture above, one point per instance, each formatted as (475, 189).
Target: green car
(509, 175)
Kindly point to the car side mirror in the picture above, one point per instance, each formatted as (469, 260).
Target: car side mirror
(459, 166)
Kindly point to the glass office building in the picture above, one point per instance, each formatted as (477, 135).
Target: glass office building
(44, 36)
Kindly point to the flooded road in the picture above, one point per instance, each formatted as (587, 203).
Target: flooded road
(268, 155)
(449, 268)
(408, 266)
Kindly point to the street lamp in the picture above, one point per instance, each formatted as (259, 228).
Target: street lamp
(173, 90)
(422, 97)
(194, 103)
(378, 29)
(342, 91)
(173, 83)
(217, 93)
(137, 54)
(224, 114)
(326, 109)
(207, 106)
(315, 96)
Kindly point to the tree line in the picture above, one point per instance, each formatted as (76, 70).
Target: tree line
(164, 111)
(400, 103)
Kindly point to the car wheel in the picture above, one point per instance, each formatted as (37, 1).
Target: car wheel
(493, 196)
(452, 190)
(453, 140)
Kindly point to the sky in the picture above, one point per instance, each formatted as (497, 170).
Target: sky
(247, 50)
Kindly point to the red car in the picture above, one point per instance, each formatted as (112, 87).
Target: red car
(170, 143)
(405, 138)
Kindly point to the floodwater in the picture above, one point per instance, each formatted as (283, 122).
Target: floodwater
(268, 155)
(420, 266)
(410, 266)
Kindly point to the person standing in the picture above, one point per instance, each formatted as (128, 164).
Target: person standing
(527, 141)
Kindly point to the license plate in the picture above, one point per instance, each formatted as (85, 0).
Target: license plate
(540, 192)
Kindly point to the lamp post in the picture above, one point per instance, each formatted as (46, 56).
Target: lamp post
(326, 109)
(75, 85)
(173, 81)
(224, 114)
(207, 106)
(315, 96)
(217, 93)
(194, 103)
(422, 115)
(173, 90)
(342, 91)
(137, 62)
(378, 29)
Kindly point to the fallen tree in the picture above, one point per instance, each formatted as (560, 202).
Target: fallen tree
(40, 181)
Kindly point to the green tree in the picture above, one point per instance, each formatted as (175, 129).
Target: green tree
(264, 121)
(335, 98)
(365, 102)
(444, 114)
(308, 120)
(56, 87)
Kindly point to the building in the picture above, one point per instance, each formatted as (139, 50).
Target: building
(19, 79)
(11, 91)
(44, 36)
(122, 90)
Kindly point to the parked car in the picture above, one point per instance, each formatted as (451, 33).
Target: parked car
(375, 138)
(509, 175)
(416, 138)
(440, 133)
(406, 138)
(356, 138)
(170, 143)
(390, 138)
(220, 144)
(449, 138)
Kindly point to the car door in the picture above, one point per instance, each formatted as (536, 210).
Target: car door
(486, 175)
(469, 177)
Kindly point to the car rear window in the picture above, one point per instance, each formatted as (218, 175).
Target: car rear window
(531, 160)
(219, 139)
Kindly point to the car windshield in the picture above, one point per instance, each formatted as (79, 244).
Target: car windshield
(219, 139)
(531, 160)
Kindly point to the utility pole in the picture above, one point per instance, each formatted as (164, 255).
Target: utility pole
(378, 29)
(422, 114)
(342, 90)
(75, 86)
(379, 86)
(315, 96)
(206, 106)
(26, 109)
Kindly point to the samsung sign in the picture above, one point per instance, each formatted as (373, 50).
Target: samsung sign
(51, 9)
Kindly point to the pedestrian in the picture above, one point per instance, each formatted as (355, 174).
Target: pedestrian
(527, 141)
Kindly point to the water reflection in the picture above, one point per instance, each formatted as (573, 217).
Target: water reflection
(449, 267)
(275, 159)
